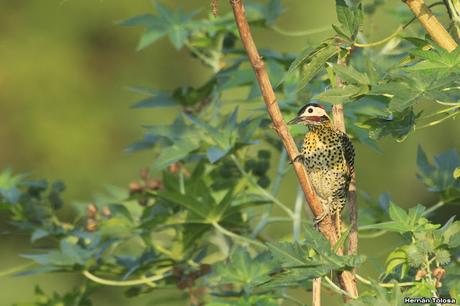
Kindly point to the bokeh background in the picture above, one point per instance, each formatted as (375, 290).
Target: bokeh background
(65, 66)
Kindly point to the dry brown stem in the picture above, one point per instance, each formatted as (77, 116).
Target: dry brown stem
(326, 227)
(316, 292)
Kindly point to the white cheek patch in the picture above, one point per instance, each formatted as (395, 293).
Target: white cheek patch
(316, 112)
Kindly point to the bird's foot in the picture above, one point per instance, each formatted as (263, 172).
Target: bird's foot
(297, 159)
(321, 216)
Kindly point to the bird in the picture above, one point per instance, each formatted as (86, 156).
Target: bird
(328, 156)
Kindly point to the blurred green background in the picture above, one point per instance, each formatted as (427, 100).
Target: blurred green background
(64, 110)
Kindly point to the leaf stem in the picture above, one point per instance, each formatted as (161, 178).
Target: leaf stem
(299, 33)
(203, 57)
(337, 288)
(394, 34)
(262, 190)
(228, 233)
(181, 181)
(439, 205)
(135, 282)
(379, 42)
(373, 235)
(297, 222)
(16, 269)
(385, 285)
(280, 172)
(433, 123)
(434, 207)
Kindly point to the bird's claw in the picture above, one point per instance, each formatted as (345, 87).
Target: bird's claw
(297, 159)
(321, 216)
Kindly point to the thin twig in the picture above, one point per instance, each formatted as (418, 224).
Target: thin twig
(326, 227)
(300, 33)
(337, 288)
(135, 282)
(17, 269)
(228, 233)
(379, 42)
(386, 285)
(296, 224)
(280, 172)
(267, 194)
(394, 34)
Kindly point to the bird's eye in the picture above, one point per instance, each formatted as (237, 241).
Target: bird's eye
(310, 110)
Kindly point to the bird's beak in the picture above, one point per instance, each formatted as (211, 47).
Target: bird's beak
(296, 120)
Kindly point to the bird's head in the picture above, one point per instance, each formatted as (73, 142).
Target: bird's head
(311, 114)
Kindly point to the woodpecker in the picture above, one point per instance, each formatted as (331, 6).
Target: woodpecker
(328, 156)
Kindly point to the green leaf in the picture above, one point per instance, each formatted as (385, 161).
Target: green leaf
(243, 270)
(9, 186)
(38, 234)
(145, 20)
(150, 36)
(350, 75)
(215, 153)
(402, 95)
(311, 62)
(390, 226)
(436, 59)
(199, 209)
(178, 36)
(67, 257)
(219, 137)
(252, 300)
(169, 155)
(397, 214)
(343, 237)
(158, 99)
(340, 32)
(289, 254)
(454, 241)
(416, 87)
(350, 15)
(174, 23)
(219, 211)
(451, 235)
(273, 10)
(396, 258)
(380, 296)
(397, 125)
(422, 162)
(438, 176)
(307, 260)
(314, 256)
(341, 95)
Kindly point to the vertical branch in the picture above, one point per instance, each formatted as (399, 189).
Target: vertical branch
(326, 226)
(339, 123)
(316, 292)
(214, 8)
(431, 24)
